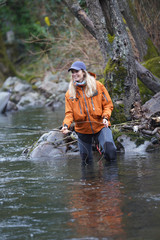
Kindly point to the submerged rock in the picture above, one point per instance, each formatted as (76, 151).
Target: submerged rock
(52, 145)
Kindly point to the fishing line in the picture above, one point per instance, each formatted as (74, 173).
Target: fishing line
(61, 139)
(30, 129)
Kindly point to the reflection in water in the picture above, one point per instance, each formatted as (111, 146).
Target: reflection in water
(96, 204)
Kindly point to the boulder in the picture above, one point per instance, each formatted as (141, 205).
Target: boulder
(52, 144)
(152, 106)
(130, 146)
(31, 99)
(4, 98)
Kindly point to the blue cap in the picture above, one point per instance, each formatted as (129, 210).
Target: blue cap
(77, 66)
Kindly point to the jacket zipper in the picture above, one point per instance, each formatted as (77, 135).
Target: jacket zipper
(92, 104)
(80, 107)
(87, 110)
(105, 96)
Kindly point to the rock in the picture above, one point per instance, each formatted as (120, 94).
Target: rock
(46, 149)
(152, 106)
(129, 146)
(10, 83)
(49, 87)
(49, 77)
(51, 144)
(50, 92)
(63, 87)
(4, 98)
(31, 99)
(11, 106)
(22, 87)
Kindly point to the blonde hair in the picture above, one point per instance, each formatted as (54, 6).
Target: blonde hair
(90, 85)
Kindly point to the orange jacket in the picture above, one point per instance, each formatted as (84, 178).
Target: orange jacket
(88, 113)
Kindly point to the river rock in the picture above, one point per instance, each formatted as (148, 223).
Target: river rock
(130, 146)
(52, 144)
(152, 106)
(10, 83)
(31, 99)
(4, 98)
(22, 87)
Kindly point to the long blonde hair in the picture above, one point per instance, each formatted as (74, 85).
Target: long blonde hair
(90, 85)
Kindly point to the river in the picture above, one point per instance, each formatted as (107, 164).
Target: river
(57, 199)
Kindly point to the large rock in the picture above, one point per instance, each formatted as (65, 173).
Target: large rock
(129, 145)
(31, 99)
(152, 106)
(4, 99)
(52, 145)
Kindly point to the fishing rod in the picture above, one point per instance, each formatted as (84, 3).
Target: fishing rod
(55, 129)
(30, 129)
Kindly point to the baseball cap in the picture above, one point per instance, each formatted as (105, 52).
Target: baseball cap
(78, 65)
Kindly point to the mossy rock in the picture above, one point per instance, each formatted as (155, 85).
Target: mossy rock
(134, 137)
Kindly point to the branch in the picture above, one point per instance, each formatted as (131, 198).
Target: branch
(81, 15)
(147, 78)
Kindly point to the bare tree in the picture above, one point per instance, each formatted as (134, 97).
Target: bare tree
(107, 23)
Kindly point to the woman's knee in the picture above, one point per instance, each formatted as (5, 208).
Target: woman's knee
(110, 151)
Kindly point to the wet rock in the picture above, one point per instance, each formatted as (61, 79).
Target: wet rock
(152, 106)
(131, 146)
(4, 98)
(51, 144)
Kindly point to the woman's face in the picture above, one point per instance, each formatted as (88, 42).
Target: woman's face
(77, 75)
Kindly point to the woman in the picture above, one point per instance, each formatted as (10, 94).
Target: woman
(89, 105)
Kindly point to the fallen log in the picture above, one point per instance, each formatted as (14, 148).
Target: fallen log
(145, 76)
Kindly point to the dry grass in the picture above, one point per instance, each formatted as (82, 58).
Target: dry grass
(75, 43)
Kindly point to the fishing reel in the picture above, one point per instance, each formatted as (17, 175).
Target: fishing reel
(74, 136)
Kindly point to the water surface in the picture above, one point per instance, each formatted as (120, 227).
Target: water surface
(57, 199)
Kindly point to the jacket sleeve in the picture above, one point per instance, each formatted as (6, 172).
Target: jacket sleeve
(107, 104)
(68, 112)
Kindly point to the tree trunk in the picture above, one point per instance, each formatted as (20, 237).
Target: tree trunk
(80, 14)
(110, 31)
(120, 68)
(145, 76)
(6, 67)
(138, 32)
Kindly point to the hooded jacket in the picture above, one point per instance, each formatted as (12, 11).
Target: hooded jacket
(88, 112)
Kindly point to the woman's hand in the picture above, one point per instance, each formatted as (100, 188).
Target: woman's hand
(105, 122)
(64, 130)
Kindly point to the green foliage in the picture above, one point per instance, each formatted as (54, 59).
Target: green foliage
(27, 20)
(16, 16)
(151, 51)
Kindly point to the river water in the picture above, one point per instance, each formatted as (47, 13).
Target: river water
(57, 199)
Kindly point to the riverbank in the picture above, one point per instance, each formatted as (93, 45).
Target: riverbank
(140, 134)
